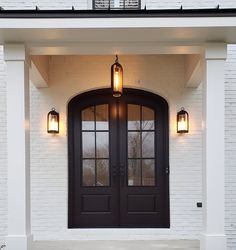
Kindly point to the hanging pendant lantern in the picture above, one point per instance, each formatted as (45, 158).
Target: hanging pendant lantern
(117, 78)
(53, 122)
(182, 121)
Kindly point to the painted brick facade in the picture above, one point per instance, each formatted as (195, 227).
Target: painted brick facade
(49, 154)
(3, 151)
(230, 145)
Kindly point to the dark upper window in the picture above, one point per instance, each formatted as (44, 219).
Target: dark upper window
(116, 4)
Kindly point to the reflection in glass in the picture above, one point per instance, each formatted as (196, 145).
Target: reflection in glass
(148, 172)
(88, 144)
(147, 118)
(88, 173)
(102, 117)
(133, 117)
(134, 173)
(134, 144)
(102, 173)
(102, 144)
(147, 144)
(88, 118)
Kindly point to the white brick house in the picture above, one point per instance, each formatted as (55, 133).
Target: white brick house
(49, 58)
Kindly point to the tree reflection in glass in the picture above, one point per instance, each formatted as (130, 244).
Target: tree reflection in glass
(95, 146)
(141, 145)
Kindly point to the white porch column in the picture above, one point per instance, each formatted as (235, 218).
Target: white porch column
(213, 151)
(19, 235)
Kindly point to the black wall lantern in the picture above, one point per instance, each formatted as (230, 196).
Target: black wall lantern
(182, 121)
(116, 78)
(53, 122)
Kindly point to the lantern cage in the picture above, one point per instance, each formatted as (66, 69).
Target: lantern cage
(117, 78)
(182, 121)
(53, 122)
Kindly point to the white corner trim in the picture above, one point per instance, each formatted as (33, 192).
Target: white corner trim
(213, 242)
(23, 242)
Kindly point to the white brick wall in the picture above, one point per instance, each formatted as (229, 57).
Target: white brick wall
(3, 151)
(191, 4)
(43, 4)
(230, 146)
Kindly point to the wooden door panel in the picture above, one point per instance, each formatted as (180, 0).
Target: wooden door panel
(137, 203)
(103, 203)
(143, 196)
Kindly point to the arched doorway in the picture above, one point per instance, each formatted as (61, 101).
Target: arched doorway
(118, 160)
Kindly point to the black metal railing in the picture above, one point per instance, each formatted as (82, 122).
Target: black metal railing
(116, 4)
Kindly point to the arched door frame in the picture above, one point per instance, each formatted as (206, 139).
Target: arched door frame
(91, 95)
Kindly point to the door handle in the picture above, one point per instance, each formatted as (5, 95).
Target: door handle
(122, 169)
(114, 170)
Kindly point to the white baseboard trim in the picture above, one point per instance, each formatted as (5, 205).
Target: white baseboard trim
(19, 242)
(213, 242)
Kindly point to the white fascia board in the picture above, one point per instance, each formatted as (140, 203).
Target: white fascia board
(151, 22)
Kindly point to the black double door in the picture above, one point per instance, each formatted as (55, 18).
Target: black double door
(118, 160)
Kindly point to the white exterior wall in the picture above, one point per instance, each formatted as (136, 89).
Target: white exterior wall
(3, 152)
(191, 4)
(230, 146)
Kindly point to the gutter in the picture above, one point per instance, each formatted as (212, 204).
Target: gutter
(119, 13)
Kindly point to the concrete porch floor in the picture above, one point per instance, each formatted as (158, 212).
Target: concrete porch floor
(118, 245)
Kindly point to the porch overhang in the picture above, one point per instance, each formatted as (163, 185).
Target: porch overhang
(143, 31)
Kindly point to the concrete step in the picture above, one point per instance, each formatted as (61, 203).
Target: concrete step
(118, 245)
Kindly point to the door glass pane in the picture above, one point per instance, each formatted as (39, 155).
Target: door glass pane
(88, 144)
(133, 117)
(102, 173)
(134, 144)
(147, 144)
(134, 173)
(88, 173)
(147, 118)
(102, 117)
(102, 140)
(88, 118)
(148, 172)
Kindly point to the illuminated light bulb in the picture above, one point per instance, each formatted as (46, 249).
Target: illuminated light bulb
(117, 78)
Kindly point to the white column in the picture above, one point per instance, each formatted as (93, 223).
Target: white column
(213, 237)
(19, 233)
